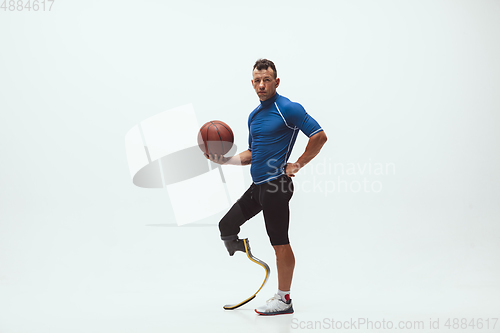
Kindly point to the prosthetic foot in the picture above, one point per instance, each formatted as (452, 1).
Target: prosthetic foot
(235, 245)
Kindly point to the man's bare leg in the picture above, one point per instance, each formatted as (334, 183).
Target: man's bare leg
(285, 262)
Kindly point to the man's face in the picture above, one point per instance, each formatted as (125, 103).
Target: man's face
(264, 83)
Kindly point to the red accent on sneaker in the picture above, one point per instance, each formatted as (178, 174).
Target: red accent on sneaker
(287, 297)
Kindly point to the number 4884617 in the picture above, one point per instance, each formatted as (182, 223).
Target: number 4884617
(29, 5)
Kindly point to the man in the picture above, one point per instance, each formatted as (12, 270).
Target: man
(273, 128)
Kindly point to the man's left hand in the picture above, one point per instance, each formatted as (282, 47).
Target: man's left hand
(291, 169)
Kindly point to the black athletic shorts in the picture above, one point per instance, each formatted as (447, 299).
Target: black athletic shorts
(272, 199)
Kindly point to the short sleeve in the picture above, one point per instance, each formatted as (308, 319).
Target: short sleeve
(297, 116)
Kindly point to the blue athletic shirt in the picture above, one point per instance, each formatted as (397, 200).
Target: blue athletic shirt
(273, 127)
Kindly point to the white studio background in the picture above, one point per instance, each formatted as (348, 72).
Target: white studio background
(408, 85)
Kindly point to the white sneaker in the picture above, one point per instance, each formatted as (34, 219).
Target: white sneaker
(275, 306)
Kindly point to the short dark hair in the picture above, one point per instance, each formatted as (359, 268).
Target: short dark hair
(265, 64)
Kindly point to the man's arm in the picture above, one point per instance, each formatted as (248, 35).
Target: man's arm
(243, 158)
(313, 147)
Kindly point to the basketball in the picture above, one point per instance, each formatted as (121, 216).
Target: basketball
(215, 137)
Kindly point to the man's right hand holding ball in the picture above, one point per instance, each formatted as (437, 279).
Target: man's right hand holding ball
(219, 159)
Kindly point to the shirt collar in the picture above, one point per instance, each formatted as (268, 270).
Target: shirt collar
(269, 101)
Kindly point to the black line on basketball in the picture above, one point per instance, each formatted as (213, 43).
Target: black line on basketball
(202, 139)
(201, 129)
(229, 131)
(207, 142)
(220, 138)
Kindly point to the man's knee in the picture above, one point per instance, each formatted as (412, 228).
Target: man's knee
(230, 223)
(225, 225)
(278, 238)
(225, 229)
(282, 249)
